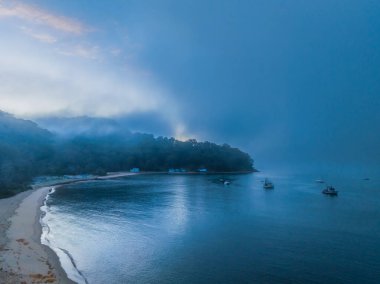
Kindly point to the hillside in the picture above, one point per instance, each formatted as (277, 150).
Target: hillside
(27, 150)
(24, 149)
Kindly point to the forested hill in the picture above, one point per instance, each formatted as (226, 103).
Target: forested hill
(26, 151)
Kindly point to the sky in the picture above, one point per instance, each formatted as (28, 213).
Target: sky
(282, 80)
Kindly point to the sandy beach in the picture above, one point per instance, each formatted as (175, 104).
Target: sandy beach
(23, 259)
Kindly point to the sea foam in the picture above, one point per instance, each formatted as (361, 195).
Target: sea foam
(47, 238)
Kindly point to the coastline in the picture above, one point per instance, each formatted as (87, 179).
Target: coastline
(23, 257)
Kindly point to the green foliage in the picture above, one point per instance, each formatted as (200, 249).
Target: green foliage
(27, 151)
(24, 150)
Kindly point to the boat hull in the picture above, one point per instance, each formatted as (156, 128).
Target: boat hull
(330, 193)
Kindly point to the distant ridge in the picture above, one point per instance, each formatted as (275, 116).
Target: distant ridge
(81, 125)
(10, 126)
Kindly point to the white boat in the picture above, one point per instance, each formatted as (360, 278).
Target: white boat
(225, 181)
(329, 190)
(268, 184)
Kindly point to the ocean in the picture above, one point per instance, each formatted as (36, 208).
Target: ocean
(195, 229)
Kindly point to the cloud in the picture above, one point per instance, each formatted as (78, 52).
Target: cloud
(68, 35)
(43, 84)
(82, 50)
(42, 17)
(40, 36)
(36, 81)
(51, 66)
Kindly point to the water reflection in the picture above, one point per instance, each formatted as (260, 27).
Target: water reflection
(190, 229)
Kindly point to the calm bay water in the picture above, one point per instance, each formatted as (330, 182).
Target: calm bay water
(192, 229)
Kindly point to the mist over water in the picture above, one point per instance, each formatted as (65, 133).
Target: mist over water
(193, 229)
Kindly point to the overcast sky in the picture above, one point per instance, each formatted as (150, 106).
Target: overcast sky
(284, 80)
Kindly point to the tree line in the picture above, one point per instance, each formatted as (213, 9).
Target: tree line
(27, 151)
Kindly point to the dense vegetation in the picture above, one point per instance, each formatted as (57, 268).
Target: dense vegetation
(27, 151)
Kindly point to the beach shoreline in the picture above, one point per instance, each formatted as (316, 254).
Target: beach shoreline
(23, 258)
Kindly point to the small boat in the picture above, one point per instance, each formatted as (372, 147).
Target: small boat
(268, 184)
(319, 181)
(225, 181)
(329, 190)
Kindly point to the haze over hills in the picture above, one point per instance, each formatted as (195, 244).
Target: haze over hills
(96, 146)
(82, 125)
(92, 125)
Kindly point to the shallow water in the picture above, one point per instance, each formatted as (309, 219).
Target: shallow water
(193, 229)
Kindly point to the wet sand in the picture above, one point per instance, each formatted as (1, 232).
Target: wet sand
(23, 258)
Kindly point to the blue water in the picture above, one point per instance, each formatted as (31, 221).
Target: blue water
(192, 229)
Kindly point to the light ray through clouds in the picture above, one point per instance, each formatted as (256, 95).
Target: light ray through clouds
(49, 65)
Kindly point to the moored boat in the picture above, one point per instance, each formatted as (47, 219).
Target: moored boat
(225, 181)
(330, 190)
(268, 184)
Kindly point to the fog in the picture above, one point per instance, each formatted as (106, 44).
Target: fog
(289, 82)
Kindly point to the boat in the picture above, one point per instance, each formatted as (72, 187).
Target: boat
(268, 184)
(225, 181)
(319, 181)
(330, 190)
